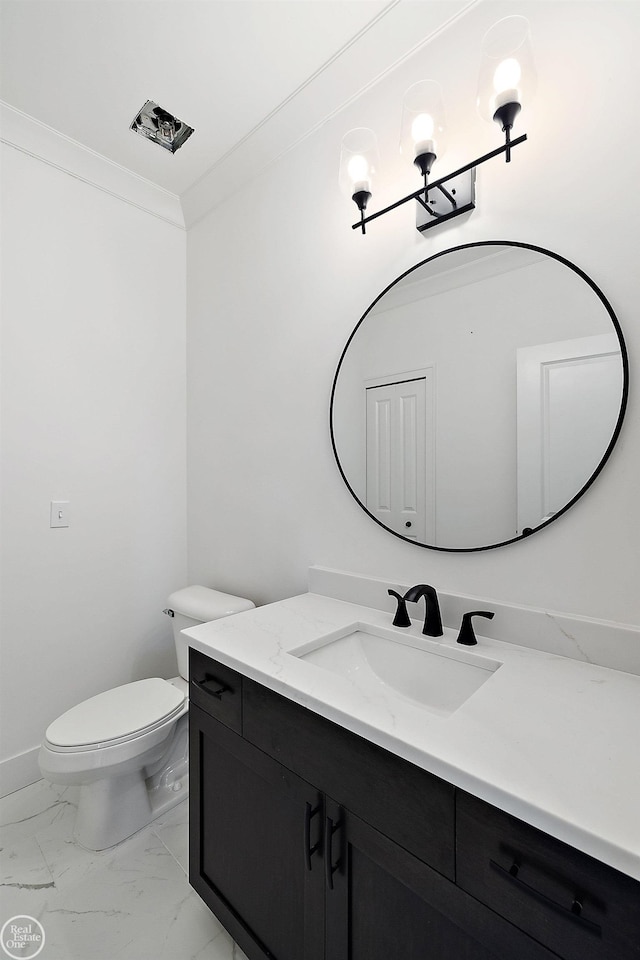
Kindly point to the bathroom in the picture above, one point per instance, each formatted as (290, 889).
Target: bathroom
(169, 353)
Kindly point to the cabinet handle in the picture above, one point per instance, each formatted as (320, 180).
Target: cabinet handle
(572, 913)
(213, 687)
(309, 813)
(329, 866)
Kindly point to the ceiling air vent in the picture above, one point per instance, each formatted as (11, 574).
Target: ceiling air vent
(157, 124)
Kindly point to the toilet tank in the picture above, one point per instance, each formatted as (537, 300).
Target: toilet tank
(194, 605)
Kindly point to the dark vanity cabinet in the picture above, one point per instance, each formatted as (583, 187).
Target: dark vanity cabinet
(250, 812)
(311, 843)
(572, 903)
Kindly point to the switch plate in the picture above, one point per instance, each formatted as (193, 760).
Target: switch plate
(59, 516)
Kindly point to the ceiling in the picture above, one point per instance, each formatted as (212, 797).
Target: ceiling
(251, 76)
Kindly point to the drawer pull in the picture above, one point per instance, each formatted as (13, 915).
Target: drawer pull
(329, 866)
(213, 687)
(573, 912)
(309, 814)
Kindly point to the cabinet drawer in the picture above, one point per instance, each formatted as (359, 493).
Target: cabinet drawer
(580, 908)
(216, 689)
(407, 804)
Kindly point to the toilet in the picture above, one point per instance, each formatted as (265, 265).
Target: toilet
(128, 748)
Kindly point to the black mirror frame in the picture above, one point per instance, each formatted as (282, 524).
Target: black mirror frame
(607, 453)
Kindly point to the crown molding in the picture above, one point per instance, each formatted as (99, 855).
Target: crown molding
(374, 53)
(379, 49)
(36, 139)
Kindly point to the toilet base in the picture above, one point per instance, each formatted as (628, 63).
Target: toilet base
(112, 809)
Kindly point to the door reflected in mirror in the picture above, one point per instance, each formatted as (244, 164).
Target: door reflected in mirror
(479, 396)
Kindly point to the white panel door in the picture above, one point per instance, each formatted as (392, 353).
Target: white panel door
(398, 494)
(569, 397)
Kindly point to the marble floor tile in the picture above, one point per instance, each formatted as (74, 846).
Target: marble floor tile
(132, 902)
(67, 861)
(104, 921)
(173, 830)
(23, 866)
(36, 807)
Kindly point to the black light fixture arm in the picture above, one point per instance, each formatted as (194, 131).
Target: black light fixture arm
(361, 198)
(424, 162)
(420, 194)
(505, 116)
(423, 203)
(443, 190)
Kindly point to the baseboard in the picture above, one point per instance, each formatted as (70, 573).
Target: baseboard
(19, 771)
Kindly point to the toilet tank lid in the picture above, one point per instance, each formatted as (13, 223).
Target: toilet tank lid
(204, 604)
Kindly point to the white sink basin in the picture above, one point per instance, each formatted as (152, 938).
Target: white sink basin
(388, 663)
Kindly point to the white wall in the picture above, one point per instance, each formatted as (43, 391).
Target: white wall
(277, 281)
(93, 410)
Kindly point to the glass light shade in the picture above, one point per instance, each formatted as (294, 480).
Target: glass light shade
(423, 123)
(507, 69)
(359, 161)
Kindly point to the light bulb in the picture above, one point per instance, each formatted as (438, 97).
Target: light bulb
(422, 133)
(422, 127)
(505, 82)
(359, 164)
(507, 75)
(358, 171)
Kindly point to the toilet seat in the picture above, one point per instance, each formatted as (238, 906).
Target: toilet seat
(116, 716)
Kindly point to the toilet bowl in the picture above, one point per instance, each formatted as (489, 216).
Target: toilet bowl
(128, 747)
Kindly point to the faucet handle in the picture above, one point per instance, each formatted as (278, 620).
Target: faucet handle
(401, 618)
(467, 635)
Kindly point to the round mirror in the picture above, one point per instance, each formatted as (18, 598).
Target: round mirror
(479, 396)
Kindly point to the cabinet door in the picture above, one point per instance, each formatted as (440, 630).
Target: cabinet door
(382, 902)
(255, 848)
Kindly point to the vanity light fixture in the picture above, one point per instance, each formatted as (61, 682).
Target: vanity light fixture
(506, 78)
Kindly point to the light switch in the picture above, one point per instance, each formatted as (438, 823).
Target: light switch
(59, 513)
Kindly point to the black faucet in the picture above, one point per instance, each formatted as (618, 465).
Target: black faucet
(401, 618)
(467, 635)
(432, 619)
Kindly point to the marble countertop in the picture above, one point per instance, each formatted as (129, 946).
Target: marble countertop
(550, 740)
